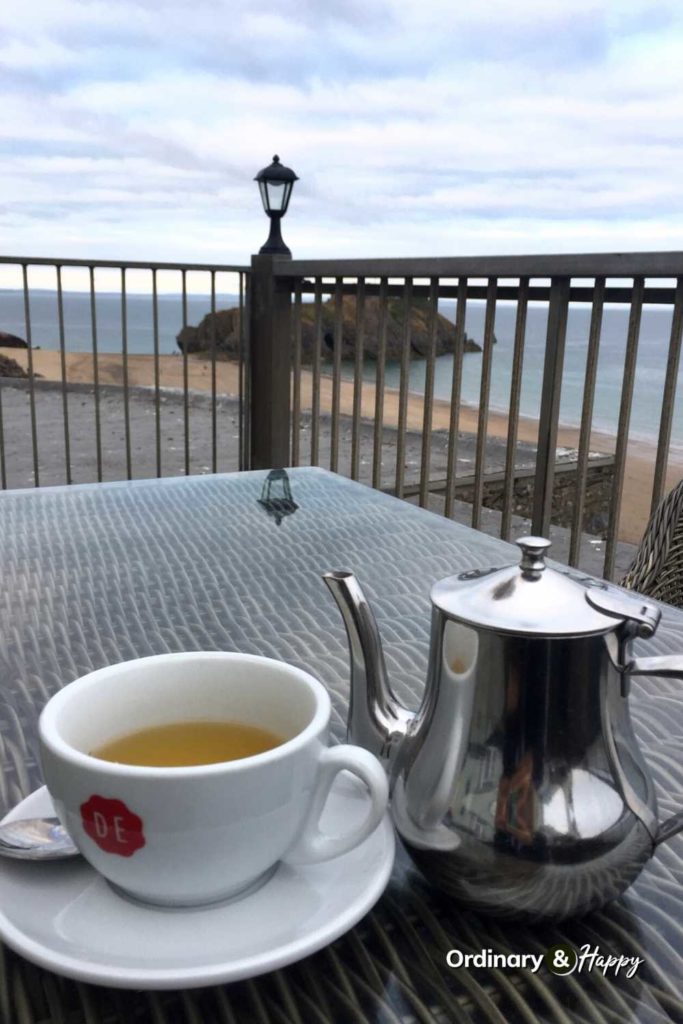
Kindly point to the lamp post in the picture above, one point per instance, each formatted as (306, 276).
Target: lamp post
(270, 342)
(276, 183)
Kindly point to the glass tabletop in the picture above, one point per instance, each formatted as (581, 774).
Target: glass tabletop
(95, 574)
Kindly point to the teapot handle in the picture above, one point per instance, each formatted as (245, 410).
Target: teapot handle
(671, 666)
(663, 665)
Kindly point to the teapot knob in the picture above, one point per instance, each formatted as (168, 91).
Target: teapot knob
(533, 553)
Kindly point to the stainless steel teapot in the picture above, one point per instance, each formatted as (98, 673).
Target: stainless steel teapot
(518, 786)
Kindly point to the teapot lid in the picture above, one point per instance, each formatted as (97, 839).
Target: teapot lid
(533, 598)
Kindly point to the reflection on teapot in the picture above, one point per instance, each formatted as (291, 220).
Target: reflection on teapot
(518, 786)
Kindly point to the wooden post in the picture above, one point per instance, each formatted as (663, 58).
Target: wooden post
(270, 365)
(550, 405)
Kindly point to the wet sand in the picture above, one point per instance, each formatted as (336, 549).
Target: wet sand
(639, 472)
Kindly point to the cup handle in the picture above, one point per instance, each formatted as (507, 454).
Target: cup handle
(313, 844)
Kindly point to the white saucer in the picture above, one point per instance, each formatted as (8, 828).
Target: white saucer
(64, 917)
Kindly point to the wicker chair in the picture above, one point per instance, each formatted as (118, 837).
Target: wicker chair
(657, 569)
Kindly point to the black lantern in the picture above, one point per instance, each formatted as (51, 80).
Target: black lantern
(276, 183)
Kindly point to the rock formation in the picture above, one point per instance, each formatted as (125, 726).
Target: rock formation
(11, 341)
(10, 368)
(226, 325)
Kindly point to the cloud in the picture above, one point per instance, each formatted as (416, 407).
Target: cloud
(134, 129)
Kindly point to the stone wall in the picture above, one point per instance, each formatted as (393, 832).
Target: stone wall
(599, 481)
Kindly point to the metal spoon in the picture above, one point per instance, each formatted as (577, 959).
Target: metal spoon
(36, 839)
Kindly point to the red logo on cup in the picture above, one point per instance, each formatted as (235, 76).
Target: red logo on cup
(112, 826)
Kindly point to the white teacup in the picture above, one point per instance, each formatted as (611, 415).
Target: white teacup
(186, 836)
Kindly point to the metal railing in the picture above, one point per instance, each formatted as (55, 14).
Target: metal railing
(363, 419)
(558, 284)
(114, 308)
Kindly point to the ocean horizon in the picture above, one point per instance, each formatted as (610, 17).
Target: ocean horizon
(650, 367)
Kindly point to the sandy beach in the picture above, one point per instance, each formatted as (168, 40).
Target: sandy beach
(141, 371)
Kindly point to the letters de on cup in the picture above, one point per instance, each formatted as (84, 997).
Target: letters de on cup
(112, 825)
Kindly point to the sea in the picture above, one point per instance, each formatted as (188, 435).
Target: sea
(650, 370)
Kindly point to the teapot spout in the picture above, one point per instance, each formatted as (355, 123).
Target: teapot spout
(377, 721)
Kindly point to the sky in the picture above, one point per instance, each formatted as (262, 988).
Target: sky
(133, 129)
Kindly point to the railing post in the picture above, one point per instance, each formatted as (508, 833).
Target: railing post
(550, 405)
(270, 365)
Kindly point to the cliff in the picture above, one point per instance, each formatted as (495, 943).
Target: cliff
(227, 331)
